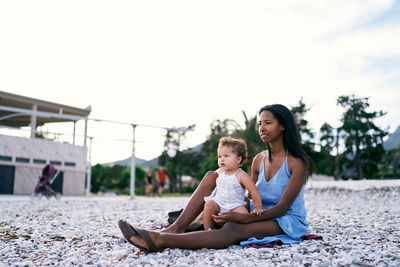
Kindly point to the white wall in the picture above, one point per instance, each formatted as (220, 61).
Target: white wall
(26, 174)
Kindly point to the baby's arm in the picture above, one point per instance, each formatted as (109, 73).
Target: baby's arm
(246, 181)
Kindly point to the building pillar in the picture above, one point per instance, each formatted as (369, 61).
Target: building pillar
(33, 121)
(89, 170)
(85, 135)
(73, 135)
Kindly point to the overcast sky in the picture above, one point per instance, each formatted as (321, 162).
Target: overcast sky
(177, 63)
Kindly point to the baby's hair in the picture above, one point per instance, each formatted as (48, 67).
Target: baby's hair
(238, 146)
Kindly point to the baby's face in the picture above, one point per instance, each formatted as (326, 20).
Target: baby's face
(228, 160)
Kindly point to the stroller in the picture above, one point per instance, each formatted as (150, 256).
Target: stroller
(43, 187)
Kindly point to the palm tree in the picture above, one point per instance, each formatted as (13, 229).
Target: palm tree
(252, 138)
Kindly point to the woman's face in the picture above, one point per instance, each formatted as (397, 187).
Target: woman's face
(269, 127)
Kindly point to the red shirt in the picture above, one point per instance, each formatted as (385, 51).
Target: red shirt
(161, 176)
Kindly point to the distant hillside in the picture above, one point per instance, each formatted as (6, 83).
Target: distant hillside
(393, 141)
(153, 163)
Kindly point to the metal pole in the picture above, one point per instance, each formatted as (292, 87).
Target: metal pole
(337, 158)
(89, 171)
(133, 167)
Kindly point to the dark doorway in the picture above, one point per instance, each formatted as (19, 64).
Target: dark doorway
(57, 184)
(7, 174)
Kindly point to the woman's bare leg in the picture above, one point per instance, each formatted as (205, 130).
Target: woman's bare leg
(195, 204)
(210, 208)
(228, 235)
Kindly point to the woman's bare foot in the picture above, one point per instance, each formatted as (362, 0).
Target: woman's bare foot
(142, 239)
(141, 242)
(137, 239)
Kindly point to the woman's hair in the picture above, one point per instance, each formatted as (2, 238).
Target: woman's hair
(238, 146)
(291, 140)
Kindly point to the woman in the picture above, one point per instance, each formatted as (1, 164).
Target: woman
(149, 183)
(279, 172)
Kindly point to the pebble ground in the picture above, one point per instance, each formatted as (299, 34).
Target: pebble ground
(359, 228)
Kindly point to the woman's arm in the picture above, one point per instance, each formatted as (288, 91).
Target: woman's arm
(297, 180)
(255, 166)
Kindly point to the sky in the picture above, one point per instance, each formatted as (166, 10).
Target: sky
(178, 63)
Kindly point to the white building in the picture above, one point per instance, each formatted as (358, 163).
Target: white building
(22, 159)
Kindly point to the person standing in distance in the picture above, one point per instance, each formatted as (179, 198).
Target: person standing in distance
(149, 183)
(161, 179)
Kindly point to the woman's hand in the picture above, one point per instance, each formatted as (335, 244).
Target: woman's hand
(230, 216)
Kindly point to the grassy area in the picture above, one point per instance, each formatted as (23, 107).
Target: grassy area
(167, 194)
(176, 195)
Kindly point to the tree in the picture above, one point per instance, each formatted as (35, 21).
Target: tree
(252, 138)
(362, 138)
(174, 163)
(115, 177)
(337, 157)
(326, 162)
(390, 166)
(327, 139)
(304, 133)
(229, 127)
(218, 128)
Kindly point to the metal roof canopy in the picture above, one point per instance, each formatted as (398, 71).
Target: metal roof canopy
(20, 111)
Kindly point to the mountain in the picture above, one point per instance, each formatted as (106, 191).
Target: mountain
(393, 140)
(153, 163)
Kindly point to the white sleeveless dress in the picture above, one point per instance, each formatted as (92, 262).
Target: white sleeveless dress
(228, 193)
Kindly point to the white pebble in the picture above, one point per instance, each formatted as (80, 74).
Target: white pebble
(75, 231)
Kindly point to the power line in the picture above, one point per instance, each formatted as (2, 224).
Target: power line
(175, 129)
(129, 123)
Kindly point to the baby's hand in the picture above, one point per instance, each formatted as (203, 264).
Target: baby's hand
(257, 211)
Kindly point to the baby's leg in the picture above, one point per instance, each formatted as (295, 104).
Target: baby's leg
(241, 209)
(210, 208)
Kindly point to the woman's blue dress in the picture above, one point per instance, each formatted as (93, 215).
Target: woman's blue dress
(294, 223)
